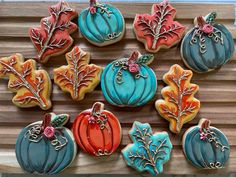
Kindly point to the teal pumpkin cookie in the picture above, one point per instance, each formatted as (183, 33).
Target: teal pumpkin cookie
(149, 151)
(129, 81)
(205, 146)
(46, 147)
(101, 24)
(208, 46)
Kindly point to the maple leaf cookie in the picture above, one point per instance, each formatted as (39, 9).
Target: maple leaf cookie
(32, 87)
(53, 37)
(78, 77)
(158, 30)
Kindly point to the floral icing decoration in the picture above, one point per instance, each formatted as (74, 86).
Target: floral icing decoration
(132, 64)
(149, 151)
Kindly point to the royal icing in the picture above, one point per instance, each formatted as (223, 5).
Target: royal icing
(179, 105)
(53, 37)
(32, 87)
(78, 77)
(46, 147)
(205, 146)
(97, 131)
(158, 30)
(101, 24)
(129, 81)
(149, 151)
(208, 46)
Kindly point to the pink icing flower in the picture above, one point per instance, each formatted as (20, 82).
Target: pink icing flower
(92, 10)
(49, 132)
(133, 68)
(207, 28)
(203, 136)
(91, 120)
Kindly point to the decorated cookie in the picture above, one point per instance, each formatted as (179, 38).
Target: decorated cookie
(53, 37)
(207, 46)
(205, 146)
(32, 87)
(97, 131)
(101, 24)
(149, 151)
(129, 81)
(78, 77)
(179, 105)
(46, 146)
(158, 30)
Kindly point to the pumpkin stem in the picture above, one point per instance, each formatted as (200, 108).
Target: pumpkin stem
(133, 57)
(204, 124)
(97, 108)
(93, 2)
(46, 120)
(201, 21)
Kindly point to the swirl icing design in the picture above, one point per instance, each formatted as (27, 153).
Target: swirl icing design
(46, 147)
(101, 24)
(206, 146)
(129, 81)
(208, 46)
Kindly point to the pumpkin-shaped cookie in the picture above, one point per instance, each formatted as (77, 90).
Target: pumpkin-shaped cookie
(129, 81)
(97, 131)
(208, 46)
(46, 146)
(101, 24)
(206, 146)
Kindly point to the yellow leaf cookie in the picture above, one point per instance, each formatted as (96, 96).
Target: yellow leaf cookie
(32, 87)
(179, 105)
(78, 77)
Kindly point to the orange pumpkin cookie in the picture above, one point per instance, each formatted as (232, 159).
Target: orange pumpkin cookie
(179, 105)
(53, 38)
(78, 77)
(32, 87)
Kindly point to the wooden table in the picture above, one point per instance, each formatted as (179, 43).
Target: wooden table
(217, 89)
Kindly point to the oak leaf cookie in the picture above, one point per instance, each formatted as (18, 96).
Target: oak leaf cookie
(158, 30)
(53, 37)
(78, 77)
(32, 87)
(179, 105)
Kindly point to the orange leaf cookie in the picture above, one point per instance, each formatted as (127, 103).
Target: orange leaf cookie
(53, 37)
(32, 87)
(78, 77)
(158, 30)
(179, 105)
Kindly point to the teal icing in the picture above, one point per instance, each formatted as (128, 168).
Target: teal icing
(153, 142)
(41, 157)
(216, 54)
(202, 153)
(132, 92)
(96, 27)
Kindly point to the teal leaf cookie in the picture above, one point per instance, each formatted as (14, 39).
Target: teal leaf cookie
(149, 151)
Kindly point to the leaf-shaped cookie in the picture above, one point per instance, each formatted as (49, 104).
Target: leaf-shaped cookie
(53, 37)
(78, 77)
(149, 151)
(32, 87)
(179, 105)
(158, 30)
